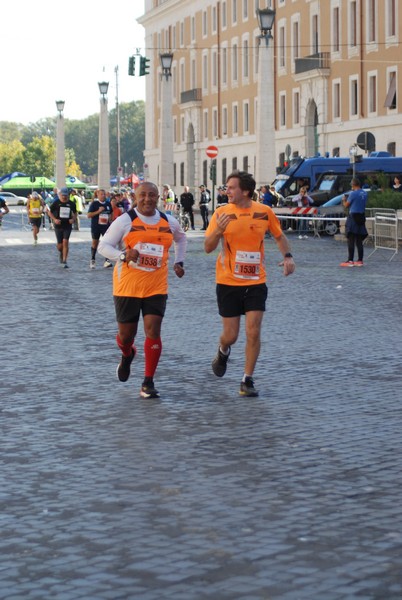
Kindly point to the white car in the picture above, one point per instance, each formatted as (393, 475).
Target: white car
(12, 199)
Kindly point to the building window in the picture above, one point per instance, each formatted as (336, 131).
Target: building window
(335, 29)
(353, 24)
(282, 110)
(234, 163)
(296, 108)
(174, 174)
(235, 68)
(192, 29)
(391, 18)
(224, 120)
(245, 163)
(214, 68)
(205, 125)
(336, 100)
(245, 10)
(193, 73)
(205, 71)
(224, 15)
(354, 100)
(182, 80)
(205, 171)
(246, 117)
(234, 12)
(281, 46)
(224, 170)
(391, 148)
(371, 20)
(183, 133)
(182, 34)
(182, 173)
(245, 59)
(215, 122)
(295, 40)
(204, 23)
(214, 19)
(336, 152)
(314, 32)
(224, 73)
(174, 130)
(372, 93)
(391, 99)
(235, 117)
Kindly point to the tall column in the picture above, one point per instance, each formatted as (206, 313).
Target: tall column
(166, 174)
(60, 147)
(103, 147)
(265, 132)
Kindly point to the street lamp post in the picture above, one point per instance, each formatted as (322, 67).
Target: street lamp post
(265, 133)
(166, 142)
(60, 149)
(103, 147)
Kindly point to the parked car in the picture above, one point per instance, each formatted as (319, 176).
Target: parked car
(12, 199)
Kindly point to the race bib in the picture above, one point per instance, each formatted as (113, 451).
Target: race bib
(64, 212)
(35, 211)
(150, 258)
(103, 219)
(247, 265)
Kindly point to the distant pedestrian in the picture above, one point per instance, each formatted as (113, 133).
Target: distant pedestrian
(187, 203)
(205, 197)
(355, 227)
(63, 213)
(35, 210)
(397, 185)
(3, 210)
(100, 212)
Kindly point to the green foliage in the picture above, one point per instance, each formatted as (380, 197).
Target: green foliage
(31, 148)
(387, 199)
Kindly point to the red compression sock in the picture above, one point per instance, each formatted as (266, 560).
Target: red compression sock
(152, 351)
(125, 348)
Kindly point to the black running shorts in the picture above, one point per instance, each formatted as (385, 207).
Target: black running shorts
(236, 300)
(128, 309)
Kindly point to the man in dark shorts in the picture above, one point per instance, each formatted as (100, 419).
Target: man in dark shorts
(63, 213)
(35, 209)
(240, 226)
(139, 242)
(100, 212)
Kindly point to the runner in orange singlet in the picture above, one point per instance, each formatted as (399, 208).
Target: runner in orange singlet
(139, 242)
(240, 227)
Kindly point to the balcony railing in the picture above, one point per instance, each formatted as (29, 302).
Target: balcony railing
(194, 95)
(320, 60)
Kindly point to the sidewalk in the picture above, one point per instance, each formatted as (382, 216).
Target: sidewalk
(294, 495)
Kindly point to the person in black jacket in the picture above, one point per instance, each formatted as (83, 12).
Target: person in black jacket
(187, 203)
(204, 201)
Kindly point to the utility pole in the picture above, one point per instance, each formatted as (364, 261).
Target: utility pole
(119, 169)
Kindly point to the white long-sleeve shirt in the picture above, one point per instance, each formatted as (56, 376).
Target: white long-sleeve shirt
(111, 244)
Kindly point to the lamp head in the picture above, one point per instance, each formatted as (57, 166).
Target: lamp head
(266, 17)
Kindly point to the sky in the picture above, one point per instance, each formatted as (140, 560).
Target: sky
(60, 51)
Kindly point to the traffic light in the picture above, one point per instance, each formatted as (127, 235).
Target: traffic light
(131, 65)
(144, 65)
(212, 171)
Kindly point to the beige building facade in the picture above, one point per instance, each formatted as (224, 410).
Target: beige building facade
(336, 74)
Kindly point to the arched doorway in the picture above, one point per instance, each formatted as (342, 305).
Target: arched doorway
(311, 128)
(190, 171)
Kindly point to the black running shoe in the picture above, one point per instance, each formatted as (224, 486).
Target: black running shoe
(148, 389)
(123, 368)
(219, 363)
(247, 388)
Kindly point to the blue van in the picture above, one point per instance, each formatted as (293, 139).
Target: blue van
(308, 171)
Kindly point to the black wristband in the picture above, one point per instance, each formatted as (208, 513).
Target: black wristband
(288, 255)
(181, 264)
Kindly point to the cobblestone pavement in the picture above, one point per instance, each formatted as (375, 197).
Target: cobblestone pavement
(295, 495)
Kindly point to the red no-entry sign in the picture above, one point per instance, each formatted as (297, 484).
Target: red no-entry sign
(212, 151)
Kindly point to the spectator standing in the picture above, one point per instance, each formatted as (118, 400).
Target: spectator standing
(355, 226)
(397, 186)
(205, 197)
(63, 214)
(139, 242)
(76, 198)
(35, 210)
(168, 198)
(187, 203)
(240, 228)
(303, 200)
(100, 212)
(221, 197)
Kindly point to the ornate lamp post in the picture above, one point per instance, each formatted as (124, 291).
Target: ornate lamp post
(166, 143)
(60, 149)
(265, 133)
(103, 147)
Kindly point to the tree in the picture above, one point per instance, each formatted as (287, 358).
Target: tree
(38, 157)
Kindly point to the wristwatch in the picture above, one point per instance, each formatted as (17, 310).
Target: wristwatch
(123, 257)
(288, 255)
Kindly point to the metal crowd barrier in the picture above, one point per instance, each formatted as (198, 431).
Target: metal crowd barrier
(385, 230)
